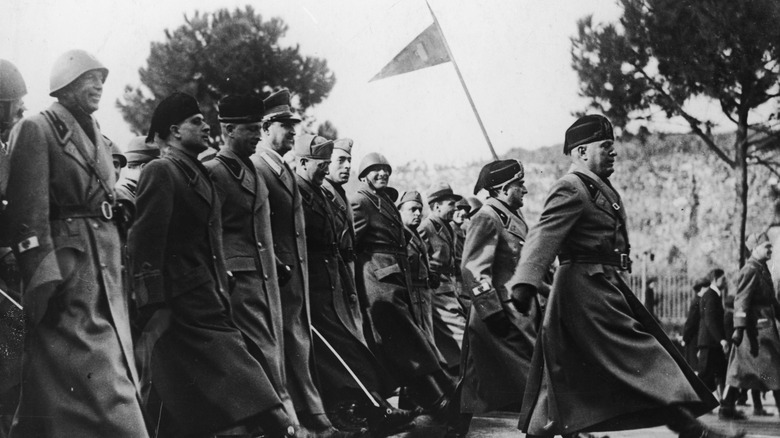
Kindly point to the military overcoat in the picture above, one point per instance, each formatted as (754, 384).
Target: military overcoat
(345, 221)
(193, 357)
(248, 243)
(287, 224)
(421, 292)
(449, 317)
(335, 310)
(495, 366)
(78, 373)
(756, 308)
(601, 361)
(383, 276)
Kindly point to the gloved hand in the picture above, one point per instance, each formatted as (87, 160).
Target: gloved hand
(752, 335)
(498, 324)
(522, 297)
(283, 274)
(737, 336)
(434, 281)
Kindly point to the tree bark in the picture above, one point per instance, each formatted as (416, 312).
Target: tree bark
(741, 146)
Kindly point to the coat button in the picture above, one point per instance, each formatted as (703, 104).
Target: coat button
(214, 258)
(265, 276)
(353, 298)
(326, 261)
(300, 259)
(259, 245)
(95, 225)
(297, 234)
(68, 220)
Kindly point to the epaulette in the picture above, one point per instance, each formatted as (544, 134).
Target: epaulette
(58, 126)
(233, 166)
(501, 215)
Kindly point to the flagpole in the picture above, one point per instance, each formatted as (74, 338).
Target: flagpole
(463, 83)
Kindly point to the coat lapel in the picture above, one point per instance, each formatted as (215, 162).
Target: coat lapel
(280, 169)
(195, 177)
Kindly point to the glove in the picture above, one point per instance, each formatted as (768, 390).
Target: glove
(434, 281)
(737, 336)
(752, 335)
(522, 296)
(283, 274)
(498, 324)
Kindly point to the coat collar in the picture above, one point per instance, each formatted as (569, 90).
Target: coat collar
(513, 221)
(280, 169)
(193, 171)
(238, 169)
(609, 192)
(382, 203)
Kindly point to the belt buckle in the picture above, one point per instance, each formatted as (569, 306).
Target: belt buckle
(625, 262)
(106, 210)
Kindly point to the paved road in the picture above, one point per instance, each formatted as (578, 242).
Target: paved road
(504, 425)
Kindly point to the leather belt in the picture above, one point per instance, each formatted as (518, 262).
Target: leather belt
(383, 248)
(104, 211)
(620, 260)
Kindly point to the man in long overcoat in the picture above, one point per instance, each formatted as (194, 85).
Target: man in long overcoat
(247, 240)
(500, 340)
(754, 363)
(199, 378)
(338, 175)
(78, 374)
(712, 344)
(287, 225)
(424, 281)
(601, 361)
(449, 317)
(383, 276)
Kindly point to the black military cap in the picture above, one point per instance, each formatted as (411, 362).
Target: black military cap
(277, 107)
(240, 108)
(587, 129)
(171, 111)
(498, 173)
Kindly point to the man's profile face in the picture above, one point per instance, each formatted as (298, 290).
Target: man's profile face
(340, 166)
(445, 208)
(245, 137)
(315, 169)
(601, 158)
(281, 135)
(459, 216)
(411, 213)
(194, 133)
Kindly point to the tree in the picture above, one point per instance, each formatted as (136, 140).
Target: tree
(220, 53)
(328, 130)
(666, 52)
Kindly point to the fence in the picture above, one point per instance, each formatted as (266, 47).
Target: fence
(673, 295)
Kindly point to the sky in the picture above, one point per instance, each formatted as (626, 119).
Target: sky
(514, 56)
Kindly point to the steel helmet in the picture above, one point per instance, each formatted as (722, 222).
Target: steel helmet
(69, 66)
(12, 86)
(370, 160)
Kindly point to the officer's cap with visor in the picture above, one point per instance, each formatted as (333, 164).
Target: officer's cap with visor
(587, 129)
(498, 174)
(278, 108)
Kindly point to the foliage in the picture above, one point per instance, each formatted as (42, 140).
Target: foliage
(220, 53)
(328, 130)
(664, 53)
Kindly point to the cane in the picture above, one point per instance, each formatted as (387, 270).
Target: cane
(344, 364)
(2, 292)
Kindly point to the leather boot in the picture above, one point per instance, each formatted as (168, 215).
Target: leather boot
(275, 423)
(386, 419)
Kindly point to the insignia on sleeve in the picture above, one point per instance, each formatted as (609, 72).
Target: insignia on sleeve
(481, 288)
(27, 244)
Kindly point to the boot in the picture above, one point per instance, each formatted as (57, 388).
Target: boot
(274, 423)
(318, 426)
(388, 420)
(432, 397)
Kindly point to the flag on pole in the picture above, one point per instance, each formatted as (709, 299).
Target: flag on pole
(427, 50)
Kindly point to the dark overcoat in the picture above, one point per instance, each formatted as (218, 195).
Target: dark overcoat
(193, 357)
(345, 221)
(421, 292)
(449, 317)
(78, 374)
(496, 367)
(383, 277)
(248, 243)
(287, 224)
(601, 361)
(335, 310)
(756, 309)
(690, 334)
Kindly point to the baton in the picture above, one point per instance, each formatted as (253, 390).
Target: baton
(2, 292)
(349, 370)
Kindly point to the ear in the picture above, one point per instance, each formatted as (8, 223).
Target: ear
(175, 131)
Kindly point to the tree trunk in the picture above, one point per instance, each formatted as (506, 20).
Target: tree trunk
(741, 146)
